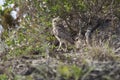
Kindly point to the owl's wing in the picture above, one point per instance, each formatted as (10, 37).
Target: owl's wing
(64, 34)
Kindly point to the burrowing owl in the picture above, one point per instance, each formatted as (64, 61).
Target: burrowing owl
(60, 32)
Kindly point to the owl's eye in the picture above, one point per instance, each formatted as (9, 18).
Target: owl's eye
(55, 21)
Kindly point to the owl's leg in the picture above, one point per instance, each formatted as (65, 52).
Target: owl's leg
(65, 49)
(60, 44)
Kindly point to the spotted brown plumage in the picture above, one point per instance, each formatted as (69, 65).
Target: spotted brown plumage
(61, 33)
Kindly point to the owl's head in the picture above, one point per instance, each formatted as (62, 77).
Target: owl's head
(56, 20)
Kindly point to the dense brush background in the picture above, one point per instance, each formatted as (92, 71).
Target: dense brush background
(28, 49)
